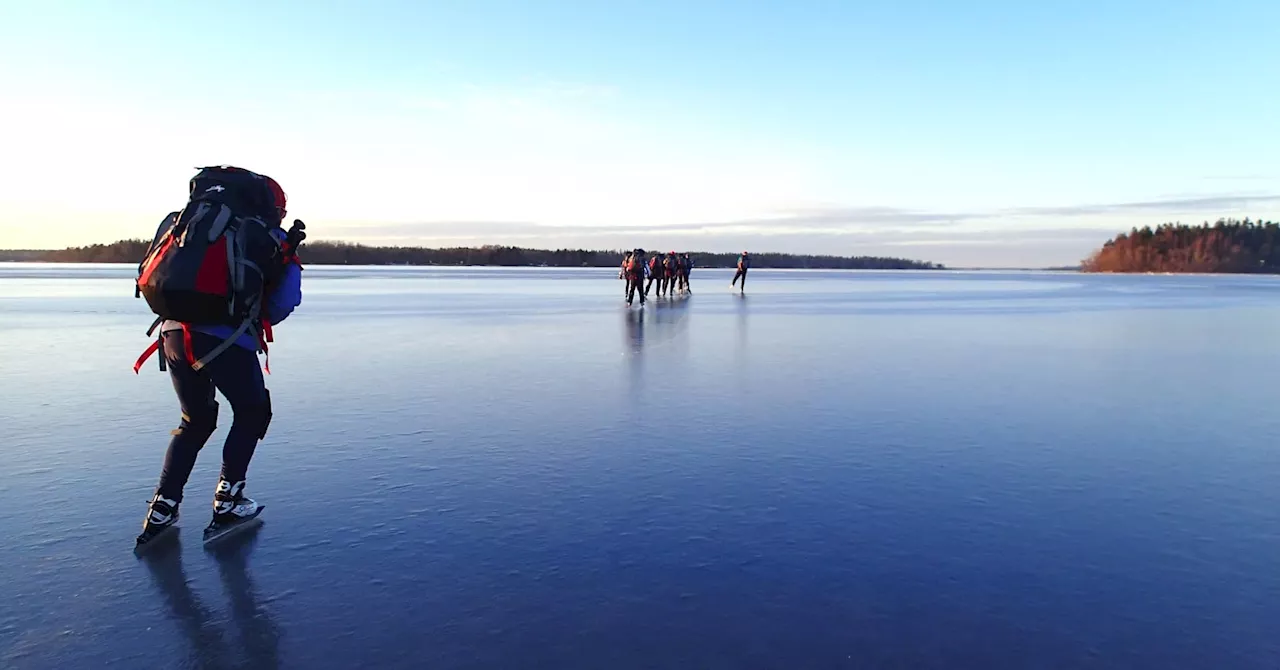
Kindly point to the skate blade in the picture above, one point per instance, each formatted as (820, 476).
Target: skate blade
(213, 533)
(144, 543)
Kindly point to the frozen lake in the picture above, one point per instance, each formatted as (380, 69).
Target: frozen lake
(483, 468)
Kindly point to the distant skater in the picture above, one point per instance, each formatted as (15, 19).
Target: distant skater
(227, 239)
(654, 267)
(660, 271)
(622, 274)
(635, 276)
(688, 268)
(679, 269)
(669, 270)
(744, 263)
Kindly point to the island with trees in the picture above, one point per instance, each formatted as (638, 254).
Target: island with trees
(344, 253)
(1227, 246)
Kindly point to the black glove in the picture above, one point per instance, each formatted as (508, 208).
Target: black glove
(293, 239)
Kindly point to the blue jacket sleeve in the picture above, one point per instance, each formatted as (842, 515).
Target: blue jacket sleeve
(287, 294)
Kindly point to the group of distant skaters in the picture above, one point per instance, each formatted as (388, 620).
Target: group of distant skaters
(670, 272)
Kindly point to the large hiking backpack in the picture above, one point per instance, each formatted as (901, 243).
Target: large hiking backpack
(210, 263)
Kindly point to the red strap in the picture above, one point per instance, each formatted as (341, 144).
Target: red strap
(145, 355)
(263, 339)
(186, 344)
(264, 336)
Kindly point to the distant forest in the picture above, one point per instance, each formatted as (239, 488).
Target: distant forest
(343, 253)
(1228, 246)
(11, 255)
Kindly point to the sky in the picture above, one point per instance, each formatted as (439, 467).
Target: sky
(984, 133)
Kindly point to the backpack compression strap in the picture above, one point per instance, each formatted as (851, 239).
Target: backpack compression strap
(155, 346)
(159, 342)
(265, 336)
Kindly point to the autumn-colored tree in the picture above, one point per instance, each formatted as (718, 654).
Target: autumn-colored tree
(1229, 245)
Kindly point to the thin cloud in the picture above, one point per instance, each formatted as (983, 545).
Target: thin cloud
(1169, 207)
(842, 220)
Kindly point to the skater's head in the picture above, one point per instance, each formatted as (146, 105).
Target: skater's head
(281, 200)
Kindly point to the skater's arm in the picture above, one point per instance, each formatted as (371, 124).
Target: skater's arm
(285, 295)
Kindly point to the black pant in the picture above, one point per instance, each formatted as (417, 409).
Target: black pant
(742, 272)
(633, 285)
(236, 374)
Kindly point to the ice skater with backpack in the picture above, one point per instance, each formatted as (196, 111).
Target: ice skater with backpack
(218, 275)
(634, 269)
(671, 269)
(653, 269)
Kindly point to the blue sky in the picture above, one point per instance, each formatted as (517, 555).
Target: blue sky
(978, 133)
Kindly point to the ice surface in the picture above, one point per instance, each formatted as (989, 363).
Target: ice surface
(476, 467)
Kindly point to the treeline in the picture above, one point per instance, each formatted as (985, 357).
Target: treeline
(124, 251)
(11, 255)
(1229, 245)
(344, 253)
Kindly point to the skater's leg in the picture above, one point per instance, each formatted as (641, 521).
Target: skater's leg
(199, 417)
(237, 375)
